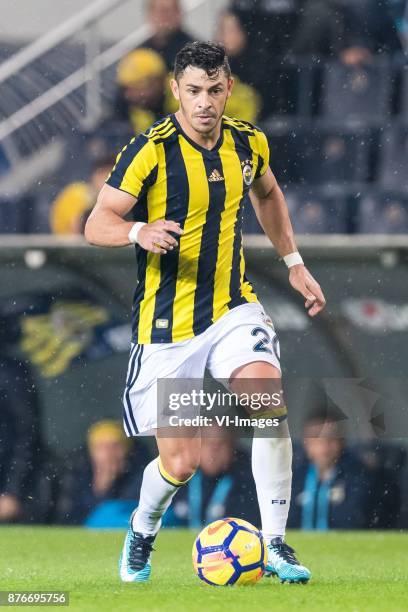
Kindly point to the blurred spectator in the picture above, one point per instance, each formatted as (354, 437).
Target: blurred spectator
(245, 102)
(272, 24)
(142, 80)
(369, 25)
(350, 30)
(97, 484)
(166, 18)
(322, 29)
(231, 33)
(398, 9)
(222, 486)
(72, 205)
(332, 489)
(387, 460)
(19, 438)
(395, 218)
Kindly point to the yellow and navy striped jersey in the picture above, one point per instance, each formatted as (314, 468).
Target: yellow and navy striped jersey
(182, 293)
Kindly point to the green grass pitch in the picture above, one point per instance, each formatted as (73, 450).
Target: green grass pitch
(354, 572)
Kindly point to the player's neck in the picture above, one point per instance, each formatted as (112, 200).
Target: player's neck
(208, 141)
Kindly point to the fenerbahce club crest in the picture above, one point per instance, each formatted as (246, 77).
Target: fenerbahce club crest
(247, 171)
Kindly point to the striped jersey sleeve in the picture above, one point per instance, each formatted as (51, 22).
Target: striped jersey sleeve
(263, 153)
(136, 166)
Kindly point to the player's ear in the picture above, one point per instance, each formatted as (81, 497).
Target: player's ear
(175, 89)
(230, 86)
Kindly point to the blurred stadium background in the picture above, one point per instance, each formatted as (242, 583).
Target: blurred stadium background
(328, 82)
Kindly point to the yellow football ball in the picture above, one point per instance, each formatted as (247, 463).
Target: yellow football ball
(229, 551)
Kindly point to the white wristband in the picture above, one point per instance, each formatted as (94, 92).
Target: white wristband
(134, 231)
(293, 259)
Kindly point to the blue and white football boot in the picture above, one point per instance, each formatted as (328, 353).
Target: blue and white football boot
(283, 563)
(134, 562)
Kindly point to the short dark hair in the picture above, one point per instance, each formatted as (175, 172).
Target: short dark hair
(209, 56)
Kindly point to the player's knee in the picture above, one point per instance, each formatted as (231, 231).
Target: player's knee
(183, 466)
(183, 472)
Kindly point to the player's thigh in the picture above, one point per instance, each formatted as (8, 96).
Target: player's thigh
(247, 337)
(149, 362)
(246, 360)
(261, 383)
(154, 371)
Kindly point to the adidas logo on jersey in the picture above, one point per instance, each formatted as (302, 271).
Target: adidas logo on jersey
(215, 176)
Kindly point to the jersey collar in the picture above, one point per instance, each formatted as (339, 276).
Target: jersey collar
(202, 150)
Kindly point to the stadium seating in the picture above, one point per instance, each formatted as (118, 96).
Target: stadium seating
(393, 158)
(330, 126)
(383, 213)
(313, 211)
(318, 212)
(360, 93)
(4, 161)
(15, 215)
(321, 153)
(289, 89)
(402, 79)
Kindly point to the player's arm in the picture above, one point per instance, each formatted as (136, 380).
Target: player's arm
(107, 227)
(134, 171)
(273, 215)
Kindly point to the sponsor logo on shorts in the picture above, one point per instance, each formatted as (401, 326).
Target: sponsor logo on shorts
(268, 321)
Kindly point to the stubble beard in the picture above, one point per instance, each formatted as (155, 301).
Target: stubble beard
(202, 130)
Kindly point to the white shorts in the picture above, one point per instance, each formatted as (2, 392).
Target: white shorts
(243, 335)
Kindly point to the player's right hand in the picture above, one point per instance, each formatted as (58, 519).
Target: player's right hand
(155, 237)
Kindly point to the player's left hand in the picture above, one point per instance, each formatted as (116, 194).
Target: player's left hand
(301, 280)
